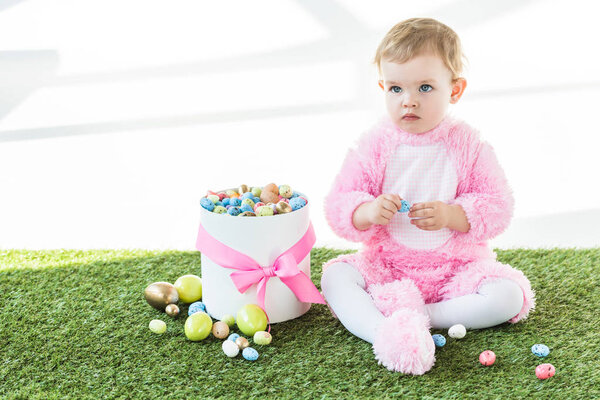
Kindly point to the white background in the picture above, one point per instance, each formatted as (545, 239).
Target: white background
(117, 116)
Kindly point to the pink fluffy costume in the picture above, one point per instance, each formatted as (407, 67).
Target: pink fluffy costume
(404, 267)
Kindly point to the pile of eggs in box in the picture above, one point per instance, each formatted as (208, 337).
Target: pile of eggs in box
(251, 319)
(254, 202)
(488, 357)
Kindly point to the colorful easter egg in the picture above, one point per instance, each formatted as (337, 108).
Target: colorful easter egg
(251, 319)
(189, 288)
(457, 331)
(207, 204)
(233, 337)
(228, 319)
(198, 326)
(286, 191)
(219, 210)
(540, 350)
(220, 330)
(283, 207)
(297, 203)
(262, 338)
(545, 371)
(256, 191)
(242, 342)
(230, 349)
(487, 358)
(439, 340)
(250, 354)
(172, 310)
(213, 197)
(157, 326)
(195, 307)
(264, 211)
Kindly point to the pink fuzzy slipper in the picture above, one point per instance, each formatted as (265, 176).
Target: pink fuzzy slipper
(391, 296)
(403, 343)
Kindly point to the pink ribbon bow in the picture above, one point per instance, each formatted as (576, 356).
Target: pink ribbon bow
(249, 272)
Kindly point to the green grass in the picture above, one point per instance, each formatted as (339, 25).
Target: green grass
(74, 324)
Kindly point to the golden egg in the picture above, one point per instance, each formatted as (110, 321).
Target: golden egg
(160, 294)
(242, 342)
(220, 330)
(243, 189)
(172, 310)
(283, 207)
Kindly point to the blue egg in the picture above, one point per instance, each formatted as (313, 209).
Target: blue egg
(235, 202)
(250, 354)
(294, 195)
(405, 206)
(247, 195)
(439, 340)
(219, 203)
(195, 307)
(297, 203)
(226, 201)
(246, 207)
(233, 337)
(207, 204)
(256, 199)
(540, 350)
(233, 211)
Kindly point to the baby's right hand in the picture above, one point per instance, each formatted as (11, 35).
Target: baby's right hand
(379, 211)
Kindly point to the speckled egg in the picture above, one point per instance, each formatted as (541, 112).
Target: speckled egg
(247, 195)
(157, 326)
(250, 354)
(233, 337)
(271, 187)
(297, 203)
(256, 191)
(259, 204)
(286, 191)
(457, 331)
(405, 206)
(439, 340)
(246, 207)
(540, 350)
(213, 197)
(207, 204)
(222, 195)
(220, 330)
(487, 358)
(226, 201)
(234, 211)
(247, 214)
(250, 202)
(230, 348)
(235, 202)
(545, 371)
(195, 307)
(219, 210)
(242, 342)
(264, 211)
(262, 338)
(231, 193)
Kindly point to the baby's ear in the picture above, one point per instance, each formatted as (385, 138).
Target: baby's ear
(458, 88)
(380, 84)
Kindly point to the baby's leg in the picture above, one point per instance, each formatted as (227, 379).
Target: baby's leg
(344, 289)
(494, 303)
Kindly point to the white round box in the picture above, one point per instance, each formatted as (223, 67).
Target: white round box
(263, 239)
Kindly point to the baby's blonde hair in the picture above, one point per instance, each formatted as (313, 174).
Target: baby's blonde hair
(415, 36)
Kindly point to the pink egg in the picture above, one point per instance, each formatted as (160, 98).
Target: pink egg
(260, 203)
(545, 371)
(487, 358)
(222, 195)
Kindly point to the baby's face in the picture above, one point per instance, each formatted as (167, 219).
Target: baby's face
(417, 92)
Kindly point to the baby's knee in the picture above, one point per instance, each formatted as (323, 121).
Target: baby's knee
(340, 274)
(505, 295)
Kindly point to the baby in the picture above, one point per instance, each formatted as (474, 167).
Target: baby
(430, 267)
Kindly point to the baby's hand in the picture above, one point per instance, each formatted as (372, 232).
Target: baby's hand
(433, 215)
(381, 210)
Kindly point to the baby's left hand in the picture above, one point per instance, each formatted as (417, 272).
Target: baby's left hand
(434, 215)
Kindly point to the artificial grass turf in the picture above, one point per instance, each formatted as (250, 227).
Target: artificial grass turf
(74, 324)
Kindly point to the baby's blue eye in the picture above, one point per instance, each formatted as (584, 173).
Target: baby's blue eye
(396, 89)
(425, 88)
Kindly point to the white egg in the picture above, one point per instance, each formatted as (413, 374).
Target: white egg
(230, 348)
(457, 331)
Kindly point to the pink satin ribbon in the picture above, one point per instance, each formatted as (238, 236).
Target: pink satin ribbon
(249, 272)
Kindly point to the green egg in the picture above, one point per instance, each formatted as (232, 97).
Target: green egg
(256, 191)
(264, 211)
(262, 338)
(157, 326)
(228, 319)
(213, 197)
(250, 202)
(220, 210)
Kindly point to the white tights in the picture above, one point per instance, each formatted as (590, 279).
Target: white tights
(344, 289)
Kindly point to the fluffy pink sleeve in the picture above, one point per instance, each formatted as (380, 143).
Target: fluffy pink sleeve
(486, 197)
(357, 182)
